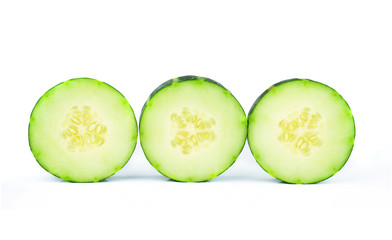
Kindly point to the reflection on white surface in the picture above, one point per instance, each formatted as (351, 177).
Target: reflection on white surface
(247, 46)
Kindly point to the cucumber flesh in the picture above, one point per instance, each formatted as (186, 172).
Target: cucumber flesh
(301, 131)
(82, 130)
(192, 129)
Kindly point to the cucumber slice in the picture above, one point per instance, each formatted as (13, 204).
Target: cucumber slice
(82, 130)
(301, 131)
(192, 129)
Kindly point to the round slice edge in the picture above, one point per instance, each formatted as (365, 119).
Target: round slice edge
(82, 130)
(192, 129)
(301, 131)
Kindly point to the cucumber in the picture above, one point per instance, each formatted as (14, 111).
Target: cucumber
(82, 130)
(192, 129)
(301, 131)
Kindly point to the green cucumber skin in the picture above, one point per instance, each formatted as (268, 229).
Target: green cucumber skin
(177, 80)
(273, 86)
(47, 93)
(182, 79)
(290, 80)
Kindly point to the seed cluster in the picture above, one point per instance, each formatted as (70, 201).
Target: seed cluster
(84, 129)
(301, 131)
(192, 130)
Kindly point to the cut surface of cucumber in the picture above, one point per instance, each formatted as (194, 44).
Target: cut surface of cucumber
(192, 129)
(301, 131)
(82, 130)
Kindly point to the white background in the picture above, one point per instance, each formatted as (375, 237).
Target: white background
(246, 46)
